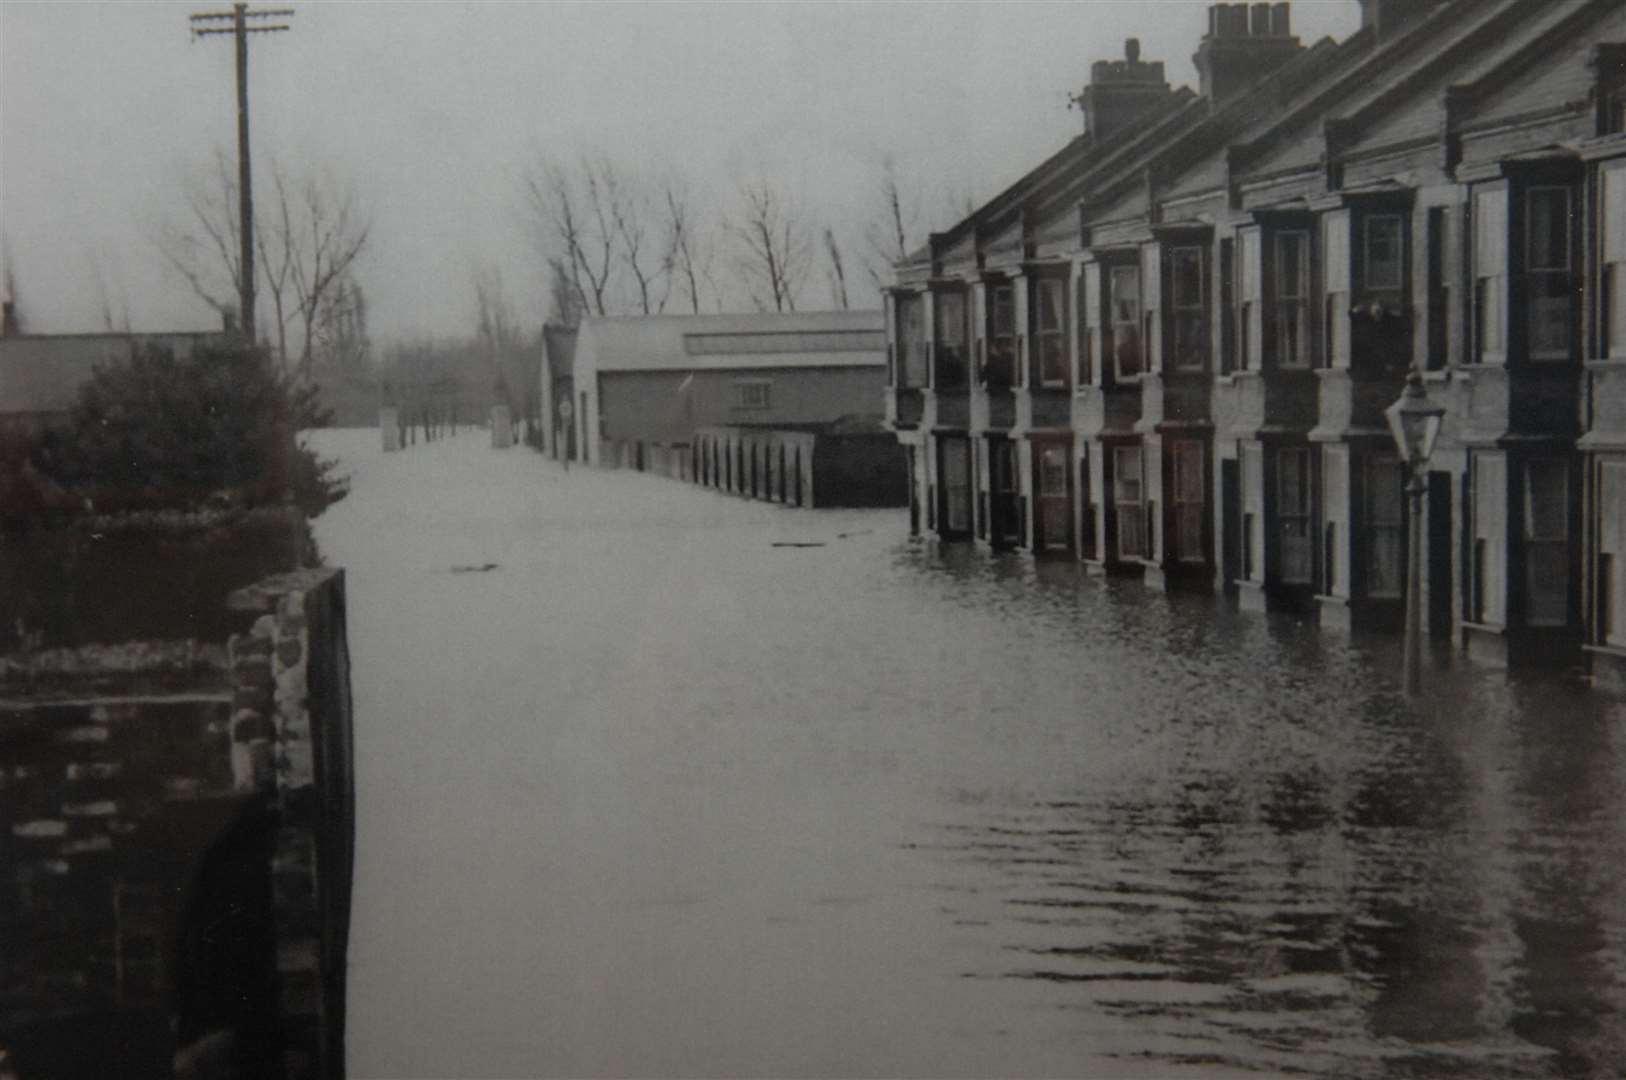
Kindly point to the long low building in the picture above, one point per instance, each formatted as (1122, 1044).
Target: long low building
(644, 384)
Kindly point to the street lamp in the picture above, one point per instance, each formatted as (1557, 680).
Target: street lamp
(1414, 421)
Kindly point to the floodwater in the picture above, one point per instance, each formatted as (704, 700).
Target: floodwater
(654, 797)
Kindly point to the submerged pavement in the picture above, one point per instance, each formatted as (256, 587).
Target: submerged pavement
(640, 793)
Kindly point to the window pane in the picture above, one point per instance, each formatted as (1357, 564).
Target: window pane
(1546, 500)
(1186, 275)
(1290, 265)
(1384, 240)
(951, 319)
(1049, 305)
(1549, 229)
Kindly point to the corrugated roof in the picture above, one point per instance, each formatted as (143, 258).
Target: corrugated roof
(714, 342)
(42, 373)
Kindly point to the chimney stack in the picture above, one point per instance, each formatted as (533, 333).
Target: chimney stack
(1244, 43)
(1385, 17)
(1120, 91)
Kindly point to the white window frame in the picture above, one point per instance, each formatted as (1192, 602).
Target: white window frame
(1127, 323)
(1128, 464)
(1193, 310)
(1369, 229)
(1550, 541)
(1291, 307)
(1557, 278)
(1050, 336)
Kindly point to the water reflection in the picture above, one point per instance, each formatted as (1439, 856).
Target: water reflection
(1276, 864)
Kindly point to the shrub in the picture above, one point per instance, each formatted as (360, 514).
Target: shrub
(217, 427)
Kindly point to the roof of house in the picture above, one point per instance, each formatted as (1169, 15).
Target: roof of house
(723, 342)
(42, 373)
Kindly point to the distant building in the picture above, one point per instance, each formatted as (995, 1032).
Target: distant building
(643, 385)
(40, 374)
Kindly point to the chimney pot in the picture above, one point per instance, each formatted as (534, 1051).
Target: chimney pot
(1261, 20)
(1281, 19)
(1132, 50)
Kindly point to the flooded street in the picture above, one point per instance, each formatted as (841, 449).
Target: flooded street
(653, 796)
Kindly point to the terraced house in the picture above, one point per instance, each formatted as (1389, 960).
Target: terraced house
(1167, 349)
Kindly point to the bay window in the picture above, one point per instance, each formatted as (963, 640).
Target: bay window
(1050, 330)
(1129, 499)
(1385, 268)
(1188, 314)
(1546, 542)
(1292, 281)
(911, 342)
(1188, 502)
(1000, 369)
(951, 334)
(1126, 328)
(1547, 260)
(1442, 266)
(1293, 515)
(1385, 531)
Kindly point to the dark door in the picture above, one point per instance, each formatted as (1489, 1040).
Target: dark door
(1005, 525)
(1230, 501)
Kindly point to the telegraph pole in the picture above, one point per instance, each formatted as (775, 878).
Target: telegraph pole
(203, 25)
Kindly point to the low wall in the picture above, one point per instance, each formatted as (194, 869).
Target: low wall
(176, 840)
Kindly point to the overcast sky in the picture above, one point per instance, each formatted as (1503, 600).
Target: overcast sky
(433, 110)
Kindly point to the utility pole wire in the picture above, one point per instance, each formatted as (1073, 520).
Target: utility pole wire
(240, 29)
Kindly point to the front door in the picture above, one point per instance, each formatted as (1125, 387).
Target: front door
(1054, 487)
(955, 466)
(1006, 524)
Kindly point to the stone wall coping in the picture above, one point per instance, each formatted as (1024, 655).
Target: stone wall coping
(261, 597)
(190, 662)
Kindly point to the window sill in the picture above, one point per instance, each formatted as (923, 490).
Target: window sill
(1488, 629)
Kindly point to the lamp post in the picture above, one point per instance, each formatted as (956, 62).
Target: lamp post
(1414, 421)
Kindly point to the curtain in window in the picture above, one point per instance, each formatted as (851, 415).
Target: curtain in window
(1546, 542)
(1385, 528)
(1128, 493)
(1293, 515)
(1613, 286)
(1490, 533)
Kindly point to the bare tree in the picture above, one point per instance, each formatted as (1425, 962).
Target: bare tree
(330, 234)
(690, 254)
(633, 212)
(203, 247)
(308, 241)
(574, 224)
(772, 245)
(838, 275)
(564, 298)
